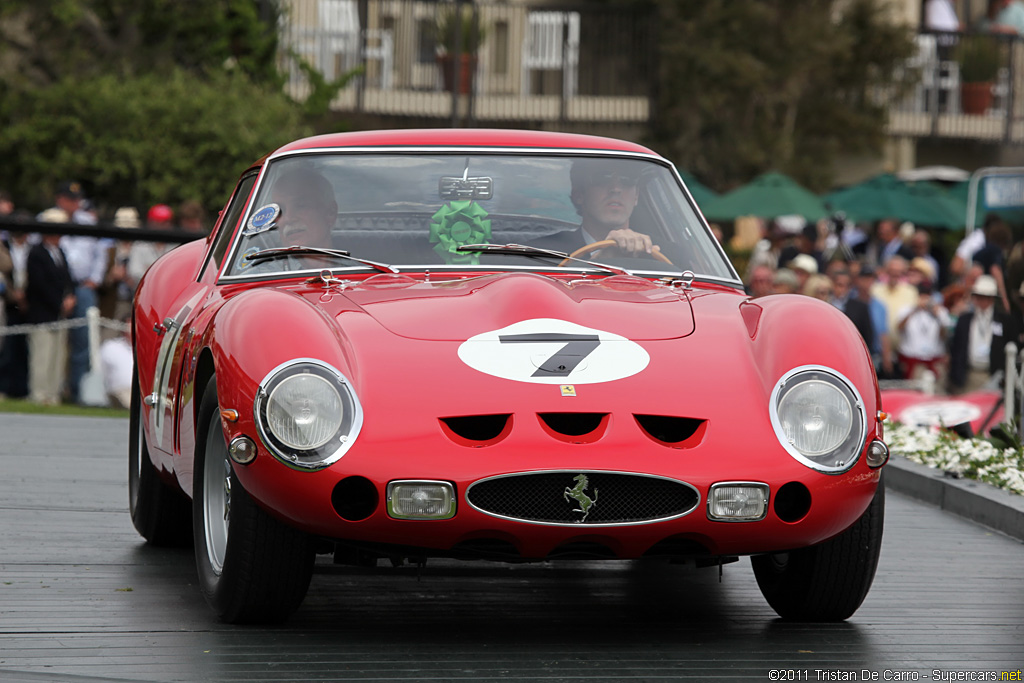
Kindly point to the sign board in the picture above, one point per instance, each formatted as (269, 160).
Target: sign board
(1003, 188)
(1004, 191)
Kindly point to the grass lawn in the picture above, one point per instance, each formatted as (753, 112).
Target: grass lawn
(14, 405)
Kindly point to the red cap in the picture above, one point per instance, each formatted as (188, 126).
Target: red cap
(160, 213)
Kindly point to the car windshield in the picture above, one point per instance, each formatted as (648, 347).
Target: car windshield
(401, 212)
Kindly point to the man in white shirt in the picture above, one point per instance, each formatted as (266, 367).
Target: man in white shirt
(922, 332)
(939, 15)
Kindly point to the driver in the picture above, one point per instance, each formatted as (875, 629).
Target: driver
(308, 208)
(604, 192)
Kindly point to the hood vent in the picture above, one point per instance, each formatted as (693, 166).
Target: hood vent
(677, 432)
(477, 430)
(575, 427)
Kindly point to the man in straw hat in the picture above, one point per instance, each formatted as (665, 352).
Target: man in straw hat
(50, 296)
(976, 351)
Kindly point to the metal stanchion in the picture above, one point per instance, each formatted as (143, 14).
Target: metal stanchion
(1010, 383)
(92, 391)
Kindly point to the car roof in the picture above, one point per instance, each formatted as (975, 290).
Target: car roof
(466, 137)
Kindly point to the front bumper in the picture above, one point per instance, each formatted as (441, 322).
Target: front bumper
(348, 500)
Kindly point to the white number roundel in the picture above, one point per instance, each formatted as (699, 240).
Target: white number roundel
(548, 351)
(940, 413)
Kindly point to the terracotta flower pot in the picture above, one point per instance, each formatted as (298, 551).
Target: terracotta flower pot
(975, 98)
(466, 71)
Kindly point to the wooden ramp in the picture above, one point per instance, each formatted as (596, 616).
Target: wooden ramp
(82, 598)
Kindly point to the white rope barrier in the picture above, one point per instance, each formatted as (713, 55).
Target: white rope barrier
(65, 324)
(91, 390)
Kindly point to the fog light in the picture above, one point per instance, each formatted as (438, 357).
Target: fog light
(242, 450)
(738, 501)
(421, 500)
(878, 454)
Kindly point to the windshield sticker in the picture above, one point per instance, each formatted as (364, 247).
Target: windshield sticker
(265, 218)
(244, 262)
(457, 224)
(550, 351)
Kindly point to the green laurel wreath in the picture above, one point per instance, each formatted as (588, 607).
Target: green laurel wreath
(458, 223)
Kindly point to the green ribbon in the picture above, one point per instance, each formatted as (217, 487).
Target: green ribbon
(458, 223)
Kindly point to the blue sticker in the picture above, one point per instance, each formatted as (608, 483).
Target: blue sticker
(263, 219)
(244, 262)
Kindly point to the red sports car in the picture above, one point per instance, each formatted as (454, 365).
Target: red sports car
(503, 345)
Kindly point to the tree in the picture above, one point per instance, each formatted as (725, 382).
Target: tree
(145, 101)
(45, 42)
(159, 137)
(747, 87)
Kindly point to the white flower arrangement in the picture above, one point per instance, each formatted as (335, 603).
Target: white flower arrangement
(971, 458)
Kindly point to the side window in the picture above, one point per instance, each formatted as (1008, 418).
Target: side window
(231, 216)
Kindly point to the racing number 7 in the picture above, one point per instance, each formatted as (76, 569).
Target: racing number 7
(575, 348)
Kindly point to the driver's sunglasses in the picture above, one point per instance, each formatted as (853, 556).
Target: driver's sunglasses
(609, 179)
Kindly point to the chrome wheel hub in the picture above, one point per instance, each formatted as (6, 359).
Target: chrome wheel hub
(216, 497)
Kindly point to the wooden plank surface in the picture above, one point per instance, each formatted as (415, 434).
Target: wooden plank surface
(82, 598)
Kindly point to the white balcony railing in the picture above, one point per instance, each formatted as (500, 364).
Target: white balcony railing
(585, 64)
(934, 98)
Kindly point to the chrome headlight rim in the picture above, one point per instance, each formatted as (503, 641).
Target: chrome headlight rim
(844, 456)
(339, 442)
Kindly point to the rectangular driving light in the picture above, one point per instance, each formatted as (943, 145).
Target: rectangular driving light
(737, 501)
(421, 500)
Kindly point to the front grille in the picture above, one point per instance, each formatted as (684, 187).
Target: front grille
(587, 498)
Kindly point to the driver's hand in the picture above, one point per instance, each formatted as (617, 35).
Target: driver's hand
(631, 241)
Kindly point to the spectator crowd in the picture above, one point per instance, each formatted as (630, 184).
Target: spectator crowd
(917, 310)
(50, 282)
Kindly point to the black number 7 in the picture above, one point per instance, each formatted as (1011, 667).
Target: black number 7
(576, 348)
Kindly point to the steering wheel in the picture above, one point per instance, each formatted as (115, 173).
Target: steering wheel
(601, 244)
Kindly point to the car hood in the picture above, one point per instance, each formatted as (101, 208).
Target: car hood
(457, 310)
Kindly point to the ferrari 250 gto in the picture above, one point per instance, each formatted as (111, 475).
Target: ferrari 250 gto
(503, 345)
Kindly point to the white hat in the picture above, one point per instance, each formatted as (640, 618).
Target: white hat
(791, 223)
(985, 285)
(126, 217)
(53, 215)
(804, 262)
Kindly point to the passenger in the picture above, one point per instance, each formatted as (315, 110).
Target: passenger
(308, 208)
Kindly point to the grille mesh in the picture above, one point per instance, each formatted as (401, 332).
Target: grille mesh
(618, 498)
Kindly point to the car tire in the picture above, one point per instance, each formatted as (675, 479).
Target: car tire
(827, 581)
(160, 513)
(252, 567)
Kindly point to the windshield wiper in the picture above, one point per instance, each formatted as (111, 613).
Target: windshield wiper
(536, 252)
(280, 252)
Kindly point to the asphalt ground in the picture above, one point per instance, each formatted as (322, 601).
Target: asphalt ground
(82, 598)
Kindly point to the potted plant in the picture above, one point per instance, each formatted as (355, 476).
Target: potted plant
(457, 27)
(979, 58)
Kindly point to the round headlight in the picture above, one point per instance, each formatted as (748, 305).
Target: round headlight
(819, 418)
(304, 411)
(816, 417)
(307, 414)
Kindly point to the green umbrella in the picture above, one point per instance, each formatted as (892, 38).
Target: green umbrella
(886, 196)
(702, 194)
(770, 195)
(1014, 215)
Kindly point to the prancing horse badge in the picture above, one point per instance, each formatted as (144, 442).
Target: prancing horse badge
(578, 494)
